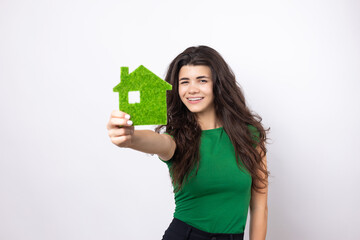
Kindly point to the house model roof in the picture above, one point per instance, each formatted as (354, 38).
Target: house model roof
(140, 79)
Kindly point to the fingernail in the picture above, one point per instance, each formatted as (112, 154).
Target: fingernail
(129, 122)
(127, 116)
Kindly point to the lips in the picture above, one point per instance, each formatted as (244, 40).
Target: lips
(194, 100)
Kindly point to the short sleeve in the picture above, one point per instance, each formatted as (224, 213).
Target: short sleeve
(254, 133)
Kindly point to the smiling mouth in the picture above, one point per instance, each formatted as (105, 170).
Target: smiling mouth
(195, 99)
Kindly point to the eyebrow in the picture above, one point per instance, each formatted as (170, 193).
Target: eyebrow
(199, 77)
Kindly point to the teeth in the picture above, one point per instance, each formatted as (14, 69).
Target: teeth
(194, 99)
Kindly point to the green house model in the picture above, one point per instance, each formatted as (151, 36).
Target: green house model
(142, 95)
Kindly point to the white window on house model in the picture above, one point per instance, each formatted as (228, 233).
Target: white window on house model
(134, 97)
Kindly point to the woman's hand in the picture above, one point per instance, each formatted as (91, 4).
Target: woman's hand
(120, 129)
(122, 134)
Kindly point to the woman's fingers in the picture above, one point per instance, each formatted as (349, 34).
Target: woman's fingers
(120, 122)
(120, 128)
(121, 136)
(119, 114)
(117, 132)
(119, 119)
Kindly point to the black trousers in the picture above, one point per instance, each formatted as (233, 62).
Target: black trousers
(179, 230)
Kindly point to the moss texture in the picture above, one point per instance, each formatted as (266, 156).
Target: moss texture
(152, 109)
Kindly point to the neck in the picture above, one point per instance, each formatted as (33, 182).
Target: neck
(208, 120)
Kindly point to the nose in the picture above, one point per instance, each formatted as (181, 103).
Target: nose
(193, 89)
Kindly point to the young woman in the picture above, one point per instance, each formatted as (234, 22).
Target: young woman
(214, 147)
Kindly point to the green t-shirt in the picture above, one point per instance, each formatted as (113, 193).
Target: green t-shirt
(217, 199)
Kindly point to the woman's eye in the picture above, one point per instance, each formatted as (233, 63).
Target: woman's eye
(203, 81)
(183, 82)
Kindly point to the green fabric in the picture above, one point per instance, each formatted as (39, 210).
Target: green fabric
(217, 199)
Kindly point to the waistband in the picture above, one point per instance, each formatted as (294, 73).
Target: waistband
(213, 236)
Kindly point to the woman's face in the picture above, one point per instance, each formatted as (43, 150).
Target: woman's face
(196, 88)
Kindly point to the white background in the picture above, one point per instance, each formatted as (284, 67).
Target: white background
(298, 63)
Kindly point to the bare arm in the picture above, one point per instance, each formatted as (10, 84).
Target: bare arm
(151, 142)
(258, 212)
(123, 134)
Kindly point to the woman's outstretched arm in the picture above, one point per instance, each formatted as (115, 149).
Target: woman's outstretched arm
(123, 134)
(259, 211)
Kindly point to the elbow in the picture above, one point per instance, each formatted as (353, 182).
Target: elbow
(168, 148)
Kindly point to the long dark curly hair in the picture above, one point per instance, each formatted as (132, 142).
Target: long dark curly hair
(231, 112)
